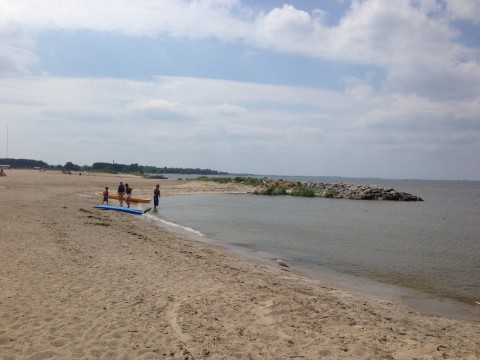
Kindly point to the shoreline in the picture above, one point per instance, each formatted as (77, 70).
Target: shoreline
(423, 302)
(434, 302)
(78, 282)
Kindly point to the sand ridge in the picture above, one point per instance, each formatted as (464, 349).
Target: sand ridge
(81, 283)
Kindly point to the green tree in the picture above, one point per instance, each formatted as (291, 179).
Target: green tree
(69, 166)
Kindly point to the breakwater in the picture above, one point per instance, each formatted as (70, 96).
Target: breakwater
(358, 192)
(333, 190)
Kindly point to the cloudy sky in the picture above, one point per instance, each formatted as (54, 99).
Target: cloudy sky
(368, 88)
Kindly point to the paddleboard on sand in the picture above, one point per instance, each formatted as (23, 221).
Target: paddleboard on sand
(132, 199)
(120, 208)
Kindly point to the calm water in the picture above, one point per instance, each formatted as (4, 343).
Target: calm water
(427, 253)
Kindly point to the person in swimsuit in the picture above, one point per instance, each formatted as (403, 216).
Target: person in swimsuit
(105, 195)
(120, 192)
(156, 196)
(128, 193)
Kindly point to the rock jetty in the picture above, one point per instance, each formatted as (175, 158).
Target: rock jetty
(333, 190)
(358, 192)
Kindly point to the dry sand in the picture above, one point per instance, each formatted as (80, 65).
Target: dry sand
(81, 283)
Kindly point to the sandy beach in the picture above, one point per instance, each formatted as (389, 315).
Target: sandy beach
(82, 283)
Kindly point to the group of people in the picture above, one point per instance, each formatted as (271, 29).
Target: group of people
(124, 192)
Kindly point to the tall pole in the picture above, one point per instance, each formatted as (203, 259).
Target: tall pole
(7, 140)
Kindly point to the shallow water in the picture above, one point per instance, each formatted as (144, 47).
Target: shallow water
(427, 253)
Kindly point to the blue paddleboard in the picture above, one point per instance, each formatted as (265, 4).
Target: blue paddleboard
(120, 208)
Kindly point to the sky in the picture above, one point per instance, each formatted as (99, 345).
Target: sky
(362, 88)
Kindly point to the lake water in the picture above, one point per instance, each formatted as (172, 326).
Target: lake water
(427, 253)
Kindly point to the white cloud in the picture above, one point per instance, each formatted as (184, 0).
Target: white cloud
(161, 110)
(418, 52)
(287, 29)
(464, 10)
(398, 36)
(97, 119)
(230, 109)
(16, 50)
(139, 18)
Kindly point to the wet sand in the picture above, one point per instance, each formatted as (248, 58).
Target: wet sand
(82, 283)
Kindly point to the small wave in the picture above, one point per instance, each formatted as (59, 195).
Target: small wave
(174, 225)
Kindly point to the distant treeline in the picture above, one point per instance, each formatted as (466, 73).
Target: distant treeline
(108, 167)
(145, 169)
(23, 163)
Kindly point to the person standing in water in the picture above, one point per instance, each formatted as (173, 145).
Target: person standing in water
(128, 193)
(156, 196)
(120, 192)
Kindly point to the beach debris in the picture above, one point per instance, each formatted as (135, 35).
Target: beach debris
(477, 302)
(282, 263)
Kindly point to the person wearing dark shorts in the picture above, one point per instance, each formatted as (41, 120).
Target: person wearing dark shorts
(120, 192)
(156, 196)
(105, 195)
